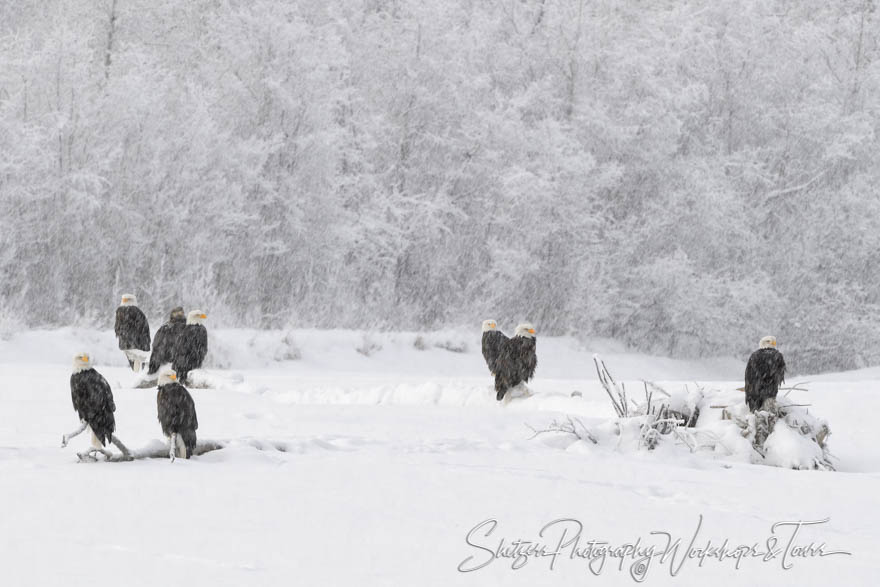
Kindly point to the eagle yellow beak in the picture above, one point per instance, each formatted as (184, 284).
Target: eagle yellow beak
(172, 377)
(85, 358)
(531, 331)
(203, 316)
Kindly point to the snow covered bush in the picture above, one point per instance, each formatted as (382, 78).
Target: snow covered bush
(785, 434)
(368, 346)
(705, 421)
(288, 350)
(454, 342)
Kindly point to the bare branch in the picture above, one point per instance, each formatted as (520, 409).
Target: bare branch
(572, 426)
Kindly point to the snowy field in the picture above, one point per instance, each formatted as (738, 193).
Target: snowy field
(352, 459)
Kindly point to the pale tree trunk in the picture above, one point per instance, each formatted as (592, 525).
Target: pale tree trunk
(111, 32)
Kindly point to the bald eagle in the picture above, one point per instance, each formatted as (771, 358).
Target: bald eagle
(132, 330)
(493, 339)
(177, 415)
(191, 346)
(517, 361)
(764, 372)
(93, 402)
(165, 339)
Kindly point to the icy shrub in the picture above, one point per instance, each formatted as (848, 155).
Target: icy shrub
(562, 433)
(452, 347)
(9, 324)
(440, 340)
(783, 434)
(368, 346)
(288, 350)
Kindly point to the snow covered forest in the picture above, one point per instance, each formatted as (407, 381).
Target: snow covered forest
(682, 176)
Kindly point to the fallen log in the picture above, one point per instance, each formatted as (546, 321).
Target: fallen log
(159, 450)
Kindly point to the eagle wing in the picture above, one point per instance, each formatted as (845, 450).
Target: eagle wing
(106, 393)
(779, 369)
(191, 348)
(193, 418)
(163, 345)
(76, 392)
(751, 374)
(120, 320)
(511, 365)
(751, 381)
(132, 328)
(528, 358)
(141, 329)
(93, 401)
(765, 371)
(176, 409)
(493, 341)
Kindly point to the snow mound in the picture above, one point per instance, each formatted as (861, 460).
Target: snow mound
(453, 352)
(789, 448)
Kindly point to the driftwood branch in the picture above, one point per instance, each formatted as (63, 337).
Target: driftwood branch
(571, 426)
(159, 450)
(796, 387)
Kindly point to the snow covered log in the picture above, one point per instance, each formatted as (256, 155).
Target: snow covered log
(198, 379)
(159, 450)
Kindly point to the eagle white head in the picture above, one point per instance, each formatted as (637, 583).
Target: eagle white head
(129, 300)
(196, 317)
(768, 342)
(525, 330)
(489, 325)
(82, 362)
(167, 374)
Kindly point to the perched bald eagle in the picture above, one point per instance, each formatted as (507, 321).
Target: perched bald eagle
(93, 402)
(517, 361)
(493, 339)
(191, 346)
(133, 331)
(764, 372)
(165, 339)
(177, 415)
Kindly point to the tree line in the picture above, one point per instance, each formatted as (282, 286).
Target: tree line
(682, 176)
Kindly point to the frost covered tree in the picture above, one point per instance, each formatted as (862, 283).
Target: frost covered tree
(683, 176)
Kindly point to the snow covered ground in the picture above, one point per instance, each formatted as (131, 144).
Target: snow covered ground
(366, 459)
